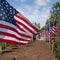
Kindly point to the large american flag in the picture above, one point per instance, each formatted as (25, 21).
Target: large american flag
(14, 27)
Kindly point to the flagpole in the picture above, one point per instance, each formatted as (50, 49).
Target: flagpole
(54, 37)
(49, 36)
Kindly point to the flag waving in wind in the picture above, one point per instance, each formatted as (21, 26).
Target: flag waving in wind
(14, 28)
(53, 31)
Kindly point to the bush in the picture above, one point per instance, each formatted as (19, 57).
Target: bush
(57, 47)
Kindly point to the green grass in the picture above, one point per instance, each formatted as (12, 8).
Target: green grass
(7, 44)
(57, 47)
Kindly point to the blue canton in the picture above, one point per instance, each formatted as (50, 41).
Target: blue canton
(7, 12)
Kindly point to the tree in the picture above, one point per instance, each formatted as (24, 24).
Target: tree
(55, 14)
(37, 24)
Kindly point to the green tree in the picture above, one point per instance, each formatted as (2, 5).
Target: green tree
(55, 14)
(37, 24)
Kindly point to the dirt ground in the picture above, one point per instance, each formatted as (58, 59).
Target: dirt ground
(38, 50)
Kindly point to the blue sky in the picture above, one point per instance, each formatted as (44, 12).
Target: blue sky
(35, 10)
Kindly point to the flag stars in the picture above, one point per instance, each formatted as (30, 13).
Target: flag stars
(1, 9)
(3, 2)
(10, 11)
(4, 8)
(1, 14)
(7, 8)
(10, 8)
(8, 15)
(7, 19)
(6, 5)
(0, 5)
(4, 13)
(3, 18)
(7, 12)
(14, 11)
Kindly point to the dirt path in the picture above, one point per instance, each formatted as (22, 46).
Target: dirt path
(39, 50)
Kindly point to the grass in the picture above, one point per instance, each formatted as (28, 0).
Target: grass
(57, 47)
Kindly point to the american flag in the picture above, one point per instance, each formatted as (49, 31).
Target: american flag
(43, 33)
(53, 31)
(38, 36)
(14, 27)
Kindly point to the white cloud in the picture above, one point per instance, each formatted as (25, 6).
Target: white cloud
(40, 16)
(44, 15)
(41, 2)
(36, 15)
(45, 12)
(36, 12)
(21, 0)
(28, 8)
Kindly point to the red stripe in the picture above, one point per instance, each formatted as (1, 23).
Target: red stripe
(27, 21)
(12, 35)
(55, 29)
(11, 41)
(10, 28)
(25, 27)
(20, 28)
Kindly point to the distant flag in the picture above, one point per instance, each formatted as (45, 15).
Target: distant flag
(14, 28)
(53, 31)
(38, 36)
(43, 33)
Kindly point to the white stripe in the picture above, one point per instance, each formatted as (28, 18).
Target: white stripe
(12, 32)
(53, 29)
(25, 24)
(12, 39)
(13, 26)
(27, 20)
(25, 30)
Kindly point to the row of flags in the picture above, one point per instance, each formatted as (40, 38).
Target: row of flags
(14, 27)
(51, 31)
(17, 29)
(41, 34)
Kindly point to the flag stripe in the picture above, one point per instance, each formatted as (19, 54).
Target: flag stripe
(12, 35)
(27, 31)
(12, 38)
(11, 41)
(12, 32)
(27, 21)
(13, 28)
(25, 25)
(20, 28)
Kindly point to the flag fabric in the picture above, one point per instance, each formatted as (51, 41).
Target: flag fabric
(43, 33)
(38, 36)
(53, 31)
(14, 27)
